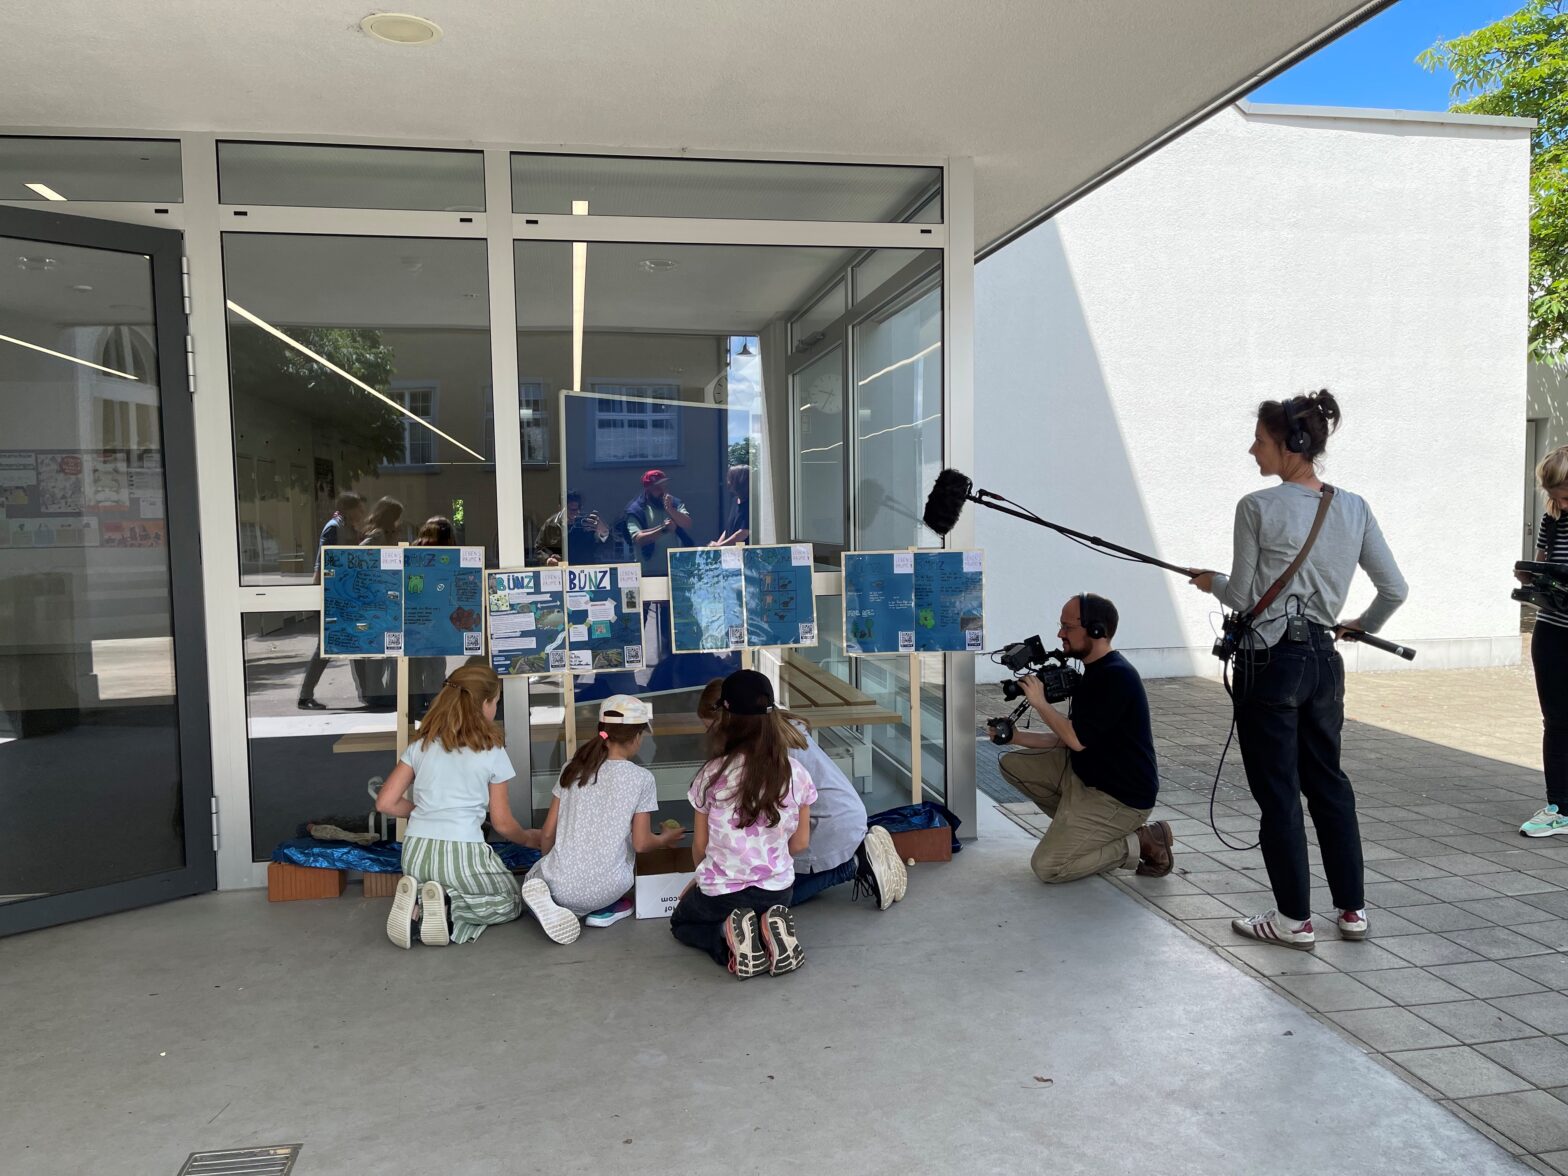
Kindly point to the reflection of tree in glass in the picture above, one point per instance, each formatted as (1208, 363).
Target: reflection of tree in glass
(369, 432)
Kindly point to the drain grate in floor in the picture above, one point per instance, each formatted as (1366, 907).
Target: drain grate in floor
(243, 1161)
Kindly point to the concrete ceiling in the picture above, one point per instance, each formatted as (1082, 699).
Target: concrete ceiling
(1046, 95)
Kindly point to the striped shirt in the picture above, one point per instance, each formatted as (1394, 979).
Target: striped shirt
(1552, 547)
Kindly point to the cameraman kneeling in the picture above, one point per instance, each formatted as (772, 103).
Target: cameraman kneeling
(1094, 775)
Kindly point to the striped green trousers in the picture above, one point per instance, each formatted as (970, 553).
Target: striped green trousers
(481, 890)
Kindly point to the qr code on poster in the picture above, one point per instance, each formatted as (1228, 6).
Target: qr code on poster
(473, 643)
(633, 657)
(394, 643)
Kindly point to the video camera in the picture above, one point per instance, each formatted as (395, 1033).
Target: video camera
(1059, 679)
(1547, 586)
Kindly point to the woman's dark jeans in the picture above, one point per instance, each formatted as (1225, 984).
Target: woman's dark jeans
(1549, 655)
(1289, 715)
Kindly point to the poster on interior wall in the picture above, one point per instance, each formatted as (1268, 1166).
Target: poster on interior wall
(780, 606)
(525, 621)
(604, 618)
(443, 601)
(61, 488)
(18, 478)
(362, 601)
(949, 601)
(879, 602)
(82, 532)
(707, 599)
(109, 481)
(142, 533)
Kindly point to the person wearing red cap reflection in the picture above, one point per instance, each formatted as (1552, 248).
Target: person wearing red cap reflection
(654, 522)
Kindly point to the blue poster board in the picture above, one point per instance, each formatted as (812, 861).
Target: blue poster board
(707, 602)
(604, 618)
(879, 602)
(780, 606)
(443, 601)
(525, 621)
(361, 601)
(949, 601)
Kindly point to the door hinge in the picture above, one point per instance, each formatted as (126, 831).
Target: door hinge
(214, 824)
(190, 363)
(185, 282)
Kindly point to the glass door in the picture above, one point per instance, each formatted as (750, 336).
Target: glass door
(105, 769)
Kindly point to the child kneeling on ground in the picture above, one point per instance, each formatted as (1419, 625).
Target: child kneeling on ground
(598, 823)
(753, 811)
(454, 885)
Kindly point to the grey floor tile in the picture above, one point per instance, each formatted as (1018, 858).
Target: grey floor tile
(1176, 884)
(1554, 933)
(1462, 864)
(1558, 1161)
(1486, 979)
(1356, 955)
(1542, 1061)
(1194, 906)
(1547, 1011)
(1551, 970)
(1415, 986)
(1533, 1119)
(1514, 882)
(1425, 950)
(1475, 1021)
(1459, 1072)
(1453, 889)
(1554, 902)
(1498, 943)
(1396, 894)
(1444, 916)
(1222, 881)
(1405, 869)
(1392, 1029)
(1332, 992)
(1411, 847)
(1506, 912)
(1279, 961)
(1387, 923)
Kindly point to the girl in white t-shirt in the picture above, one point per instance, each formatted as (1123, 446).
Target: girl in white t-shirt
(597, 825)
(753, 811)
(456, 769)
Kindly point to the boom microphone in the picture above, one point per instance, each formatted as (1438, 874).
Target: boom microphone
(946, 501)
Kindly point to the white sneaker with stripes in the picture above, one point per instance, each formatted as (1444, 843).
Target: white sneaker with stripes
(1272, 927)
(558, 922)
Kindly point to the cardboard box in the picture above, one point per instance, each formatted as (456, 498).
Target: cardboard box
(661, 876)
(925, 845)
(381, 885)
(286, 883)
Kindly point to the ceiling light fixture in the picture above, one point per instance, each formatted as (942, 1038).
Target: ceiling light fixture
(37, 262)
(45, 191)
(579, 297)
(399, 28)
(659, 265)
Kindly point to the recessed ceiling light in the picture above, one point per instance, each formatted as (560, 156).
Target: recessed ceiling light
(399, 28)
(45, 191)
(83, 289)
(37, 262)
(659, 265)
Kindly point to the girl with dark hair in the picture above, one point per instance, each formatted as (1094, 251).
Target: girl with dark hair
(437, 531)
(753, 813)
(737, 497)
(597, 825)
(456, 769)
(1289, 680)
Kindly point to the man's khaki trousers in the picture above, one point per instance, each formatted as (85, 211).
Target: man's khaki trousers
(1091, 831)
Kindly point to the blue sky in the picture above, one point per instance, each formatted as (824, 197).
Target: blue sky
(1374, 65)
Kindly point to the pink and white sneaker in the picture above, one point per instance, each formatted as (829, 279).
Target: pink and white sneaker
(1352, 924)
(1273, 927)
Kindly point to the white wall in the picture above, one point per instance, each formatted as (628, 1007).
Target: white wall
(1122, 349)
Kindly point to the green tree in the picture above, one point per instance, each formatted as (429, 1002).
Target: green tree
(1519, 67)
(264, 368)
(744, 453)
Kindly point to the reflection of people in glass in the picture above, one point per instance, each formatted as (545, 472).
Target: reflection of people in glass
(341, 530)
(383, 523)
(656, 521)
(737, 493)
(581, 539)
(377, 677)
(438, 531)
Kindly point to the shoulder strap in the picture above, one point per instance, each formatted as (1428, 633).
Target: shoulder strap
(1278, 586)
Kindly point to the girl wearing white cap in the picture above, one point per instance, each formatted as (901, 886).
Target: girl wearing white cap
(597, 825)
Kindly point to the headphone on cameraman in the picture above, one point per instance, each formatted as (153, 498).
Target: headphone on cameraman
(1297, 439)
(1095, 626)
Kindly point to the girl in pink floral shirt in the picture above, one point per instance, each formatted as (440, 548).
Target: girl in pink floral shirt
(752, 815)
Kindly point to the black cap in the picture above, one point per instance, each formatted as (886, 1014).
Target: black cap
(747, 692)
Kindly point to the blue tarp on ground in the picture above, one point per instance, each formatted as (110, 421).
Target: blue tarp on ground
(927, 815)
(379, 857)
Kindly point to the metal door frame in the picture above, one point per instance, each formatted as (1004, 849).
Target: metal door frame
(164, 250)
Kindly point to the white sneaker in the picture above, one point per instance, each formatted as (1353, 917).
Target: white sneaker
(400, 920)
(1271, 927)
(434, 931)
(1352, 924)
(1546, 823)
(558, 922)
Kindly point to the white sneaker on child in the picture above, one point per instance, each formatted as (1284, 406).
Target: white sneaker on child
(558, 922)
(434, 930)
(400, 921)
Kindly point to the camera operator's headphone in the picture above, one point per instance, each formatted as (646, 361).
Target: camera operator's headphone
(1297, 439)
(1095, 626)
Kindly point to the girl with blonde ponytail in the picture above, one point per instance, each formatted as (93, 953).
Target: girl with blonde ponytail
(454, 772)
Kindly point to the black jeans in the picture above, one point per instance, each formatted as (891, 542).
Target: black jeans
(698, 919)
(1290, 711)
(1549, 655)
